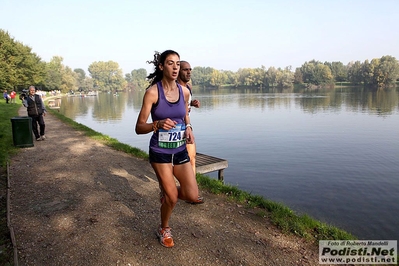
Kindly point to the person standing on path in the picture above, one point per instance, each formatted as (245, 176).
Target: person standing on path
(167, 102)
(5, 96)
(12, 96)
(36, 110)
(183, 79)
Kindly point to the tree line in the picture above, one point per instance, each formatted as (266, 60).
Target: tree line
(20, 68)
(380, 72)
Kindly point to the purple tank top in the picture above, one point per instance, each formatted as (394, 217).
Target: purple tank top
(163, 109)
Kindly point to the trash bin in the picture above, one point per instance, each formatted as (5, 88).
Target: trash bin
(22, 131)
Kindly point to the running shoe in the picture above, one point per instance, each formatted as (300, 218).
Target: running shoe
(200, 200)
(165, 237)
(43, 137)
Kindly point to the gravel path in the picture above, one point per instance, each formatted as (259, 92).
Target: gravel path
(75, 201)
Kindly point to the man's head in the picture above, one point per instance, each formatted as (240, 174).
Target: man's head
(185, 71)
(32, 90)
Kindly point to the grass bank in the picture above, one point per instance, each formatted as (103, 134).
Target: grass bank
(7, 149)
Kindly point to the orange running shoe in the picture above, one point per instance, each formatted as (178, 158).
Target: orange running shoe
(200, 200)
(165, 237)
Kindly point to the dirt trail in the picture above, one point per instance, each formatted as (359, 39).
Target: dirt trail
(75, 201)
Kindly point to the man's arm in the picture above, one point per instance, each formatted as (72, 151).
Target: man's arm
(43, 106)
(195, 103)
(25, 101)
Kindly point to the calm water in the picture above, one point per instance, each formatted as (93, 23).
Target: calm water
(331, 154)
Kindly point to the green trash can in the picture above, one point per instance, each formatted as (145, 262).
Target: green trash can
(22, 131)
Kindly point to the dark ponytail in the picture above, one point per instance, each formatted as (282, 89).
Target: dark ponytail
(159, 59)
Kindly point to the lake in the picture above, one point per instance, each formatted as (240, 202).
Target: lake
(332, 154)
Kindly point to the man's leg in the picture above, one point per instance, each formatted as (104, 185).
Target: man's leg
(34, 126)
(192, 153)
(41, 125)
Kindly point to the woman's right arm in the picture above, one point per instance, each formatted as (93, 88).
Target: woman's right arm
(142, 127)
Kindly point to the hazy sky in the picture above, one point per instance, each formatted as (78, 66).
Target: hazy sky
(223, 34)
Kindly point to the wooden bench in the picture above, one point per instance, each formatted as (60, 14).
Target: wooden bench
(206, 164)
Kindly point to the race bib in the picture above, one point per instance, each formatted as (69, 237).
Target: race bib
(171, 139)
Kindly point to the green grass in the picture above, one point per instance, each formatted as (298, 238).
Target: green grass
(111, 142)
(283, 217)
(7, 149)
(6, 143)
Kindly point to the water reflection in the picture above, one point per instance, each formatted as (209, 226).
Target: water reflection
(376, 102)
(103, 107)
(380, 102)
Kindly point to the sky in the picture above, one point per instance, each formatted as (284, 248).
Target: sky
(222, 34)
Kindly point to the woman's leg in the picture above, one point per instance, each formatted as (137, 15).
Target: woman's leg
(164, 172)
(188, 184)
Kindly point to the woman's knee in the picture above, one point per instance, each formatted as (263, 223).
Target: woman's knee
(171, 200)
(189, 192)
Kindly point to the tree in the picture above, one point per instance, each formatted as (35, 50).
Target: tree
(201, 76)
(60, 77)
(218, 78)
(259, 76)
(250, 76)
(54, 73)
(323, 74)
(271, 77)
(139, 78)
(315, 72)
(379, 72)
(107, 76)
(88, 84)
(69, 80)
(388, 71)
(285, 78)
(308, 69)
(298, 76)
(18, 65)
(338, 70)
(369, 69)
(80, 78)
(355, 73)
(232, 78)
